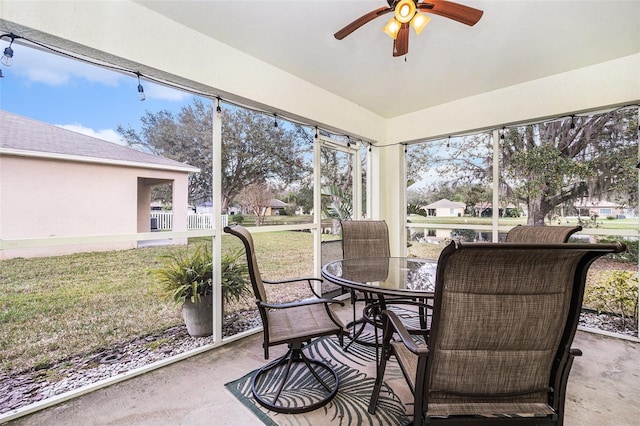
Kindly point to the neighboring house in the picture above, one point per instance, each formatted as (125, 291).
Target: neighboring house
(445, 208)
(59, 183)
(602, 208)
(276, 207)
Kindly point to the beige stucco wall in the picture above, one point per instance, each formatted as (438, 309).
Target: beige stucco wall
(43, 198)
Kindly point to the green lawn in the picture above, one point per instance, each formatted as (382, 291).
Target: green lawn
(55, 307)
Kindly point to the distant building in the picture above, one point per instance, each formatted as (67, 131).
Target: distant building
(445, 208)
(602, 208)
(59, 183)
(276, 207)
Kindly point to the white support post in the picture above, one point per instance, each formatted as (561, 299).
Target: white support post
(495, 214)
(216, 250)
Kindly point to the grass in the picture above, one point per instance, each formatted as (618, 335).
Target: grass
(53, 308)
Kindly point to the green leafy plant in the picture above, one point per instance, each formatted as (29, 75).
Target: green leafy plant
(188, 274)
(617, 294)
(416, 209)
(237, 218)
(336, 204)
(235, 272)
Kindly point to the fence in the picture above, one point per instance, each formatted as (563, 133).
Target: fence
(163, 221)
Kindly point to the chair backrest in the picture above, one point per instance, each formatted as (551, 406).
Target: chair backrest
(365, 238)
(254, 272)
(504, 318)
(541, 234)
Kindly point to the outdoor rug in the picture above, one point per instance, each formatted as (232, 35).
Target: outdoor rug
(356, 371)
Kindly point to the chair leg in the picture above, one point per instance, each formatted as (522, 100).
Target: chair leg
(379, 379)
(270, 381)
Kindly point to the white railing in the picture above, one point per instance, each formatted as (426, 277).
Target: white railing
(163, 221)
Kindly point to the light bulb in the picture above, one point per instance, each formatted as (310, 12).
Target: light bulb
(392, 28)
(419, 21)
(141, 94)
(7, 58)
(405, 10)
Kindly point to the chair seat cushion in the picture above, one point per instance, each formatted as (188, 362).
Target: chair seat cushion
(300, 323)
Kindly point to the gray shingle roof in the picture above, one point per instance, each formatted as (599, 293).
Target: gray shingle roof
(18, 133)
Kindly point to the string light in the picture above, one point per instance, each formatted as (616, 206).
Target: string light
(7, 57)
(141, 94)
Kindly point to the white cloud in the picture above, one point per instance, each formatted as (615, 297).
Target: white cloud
(157, 91)
(108, 135)
(55, 70)
(48, 68)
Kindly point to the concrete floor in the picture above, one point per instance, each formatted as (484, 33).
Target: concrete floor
(604, 390)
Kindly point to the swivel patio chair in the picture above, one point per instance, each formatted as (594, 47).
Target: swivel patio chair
(541, 234)
(499, 350)
(286, 385)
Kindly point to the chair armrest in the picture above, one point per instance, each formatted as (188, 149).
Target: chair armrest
(299, 303)
(294, 280)
(406, 338)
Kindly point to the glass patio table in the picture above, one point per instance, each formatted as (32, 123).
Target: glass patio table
(405, 284)
(405, 277)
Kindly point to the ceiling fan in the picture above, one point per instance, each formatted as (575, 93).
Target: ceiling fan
(408, 13)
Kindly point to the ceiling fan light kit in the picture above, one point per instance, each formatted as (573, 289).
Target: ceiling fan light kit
(408, 13)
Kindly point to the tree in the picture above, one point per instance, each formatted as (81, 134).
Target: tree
(186, 137)
(256, 199)
(253, 150)
(549, 164)
(544, 165)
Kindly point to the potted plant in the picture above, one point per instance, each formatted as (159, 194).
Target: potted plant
(187, 279)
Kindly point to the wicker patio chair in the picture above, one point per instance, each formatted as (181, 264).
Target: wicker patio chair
(370, 238)
(541, 234)
(294, 324)
(499, 350)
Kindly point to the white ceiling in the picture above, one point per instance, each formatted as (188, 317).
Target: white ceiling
(515, 41)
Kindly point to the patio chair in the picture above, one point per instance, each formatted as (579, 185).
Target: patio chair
(370, 238)
(294, 324)
(541, 234)
(499, 350)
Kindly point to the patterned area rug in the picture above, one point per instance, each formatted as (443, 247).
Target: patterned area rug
(356, 372)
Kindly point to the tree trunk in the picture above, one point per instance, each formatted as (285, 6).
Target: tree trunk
(538, 209)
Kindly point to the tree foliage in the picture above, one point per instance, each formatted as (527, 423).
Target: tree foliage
(253, 149)
(256, 198)
(549, 164)
(543, 166)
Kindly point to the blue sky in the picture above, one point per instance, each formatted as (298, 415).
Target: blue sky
(79, 96)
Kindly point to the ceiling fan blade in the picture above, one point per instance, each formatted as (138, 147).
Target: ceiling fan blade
(458, 12)
(361, 21)
(401, 43)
